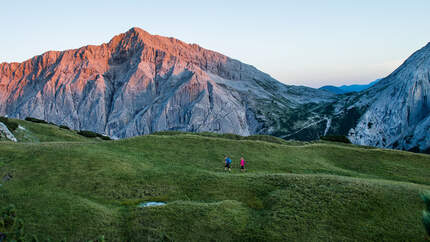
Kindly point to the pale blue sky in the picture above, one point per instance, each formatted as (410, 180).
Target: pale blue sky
(306, 42)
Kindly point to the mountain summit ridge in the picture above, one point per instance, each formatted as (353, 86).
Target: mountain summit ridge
(139, 83)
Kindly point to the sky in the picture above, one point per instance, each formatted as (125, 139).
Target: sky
(311, 43)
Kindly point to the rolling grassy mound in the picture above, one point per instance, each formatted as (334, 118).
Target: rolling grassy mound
(83, 189)
(41, 132)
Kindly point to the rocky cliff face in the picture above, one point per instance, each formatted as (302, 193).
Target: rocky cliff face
(5, 133)
(398, 108)
(140, 83)
(394, 113)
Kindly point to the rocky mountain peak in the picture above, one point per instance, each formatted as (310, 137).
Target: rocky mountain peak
(416, 64)
(139, 83)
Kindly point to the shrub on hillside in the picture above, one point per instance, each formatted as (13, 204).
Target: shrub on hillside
(36, 120)
(426, 212)
(336, 138)
(11, 227)
(64, 127)
(104, 137)
(91, 134)
(12, 126)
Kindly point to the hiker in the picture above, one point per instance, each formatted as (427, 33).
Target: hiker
(242, 164)
(227, 163)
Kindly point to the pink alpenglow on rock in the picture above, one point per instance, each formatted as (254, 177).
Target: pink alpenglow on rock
(140, 83)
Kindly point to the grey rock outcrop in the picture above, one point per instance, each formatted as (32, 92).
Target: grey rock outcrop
(394, 113)
(398, 108)
(4, 131)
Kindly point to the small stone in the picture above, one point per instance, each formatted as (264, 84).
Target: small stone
(7, 177)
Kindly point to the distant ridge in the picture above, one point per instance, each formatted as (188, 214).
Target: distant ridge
(348, 88)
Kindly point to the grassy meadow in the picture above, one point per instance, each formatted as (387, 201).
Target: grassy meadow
(69, 187)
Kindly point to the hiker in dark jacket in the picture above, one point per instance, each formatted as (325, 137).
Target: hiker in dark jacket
(227, 161)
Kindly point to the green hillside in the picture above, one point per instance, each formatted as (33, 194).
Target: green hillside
(79, 189)
(41, 132)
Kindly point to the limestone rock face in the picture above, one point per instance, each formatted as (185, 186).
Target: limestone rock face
(5, 132)
(140, 83)
(398, 108)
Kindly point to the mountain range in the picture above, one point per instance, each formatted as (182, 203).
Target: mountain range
(348, 88)
(139, 83)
